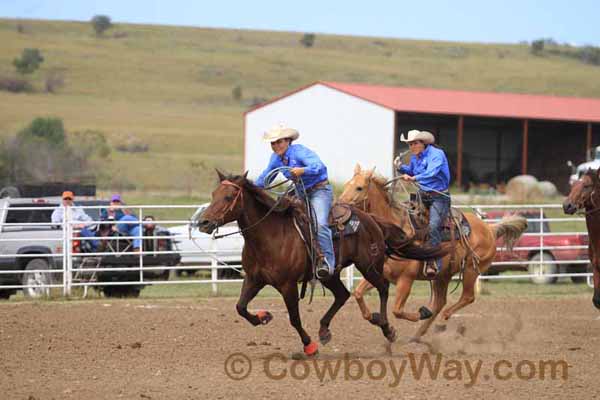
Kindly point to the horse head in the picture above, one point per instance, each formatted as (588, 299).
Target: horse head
(584, 193)
(356, 190)
(226, 205)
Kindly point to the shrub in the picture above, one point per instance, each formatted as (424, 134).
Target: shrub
(101, 23)
(236, 93)
(30, 61)
(15, 85)
(132, 145)
(257, 101)
(537, 46)
(120, 35)
(590, 55)
(308, 40)
(49, 129)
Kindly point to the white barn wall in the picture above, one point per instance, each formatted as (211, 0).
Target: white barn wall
(341, 128)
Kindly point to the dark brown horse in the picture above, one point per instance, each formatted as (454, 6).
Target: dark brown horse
(585, 197)
(275, 254)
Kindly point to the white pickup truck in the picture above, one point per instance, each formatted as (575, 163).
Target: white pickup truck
(39, 247)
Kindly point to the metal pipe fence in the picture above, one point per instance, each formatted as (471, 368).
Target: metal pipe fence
(63, 264)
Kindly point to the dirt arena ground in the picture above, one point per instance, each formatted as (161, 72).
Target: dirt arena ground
(500, 347)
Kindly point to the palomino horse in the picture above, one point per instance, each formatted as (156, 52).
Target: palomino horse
(585, 197)
(368, 191)
(275, 254)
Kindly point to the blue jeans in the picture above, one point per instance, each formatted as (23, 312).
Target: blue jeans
(86, 232)
(438, 212)
(130, 229)
(321, 200)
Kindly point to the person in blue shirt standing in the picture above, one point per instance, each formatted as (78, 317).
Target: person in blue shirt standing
(429, 168)
(307, 167)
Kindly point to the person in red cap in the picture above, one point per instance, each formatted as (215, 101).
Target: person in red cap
(77, 215)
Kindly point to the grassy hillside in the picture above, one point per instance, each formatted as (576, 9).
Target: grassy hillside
(170, 87)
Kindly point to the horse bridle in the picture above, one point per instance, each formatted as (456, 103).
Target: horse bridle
(240, 195)
(581, 205)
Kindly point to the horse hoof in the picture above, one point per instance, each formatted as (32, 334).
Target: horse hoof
(392, 335)
(264, 317)
(311, 349)
(376, 319)
(424, 313)
(596, 302)
(324, 336)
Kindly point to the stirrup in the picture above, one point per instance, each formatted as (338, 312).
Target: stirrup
(430, 269)
(323, 270)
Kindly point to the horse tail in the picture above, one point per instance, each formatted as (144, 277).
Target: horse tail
(400, 245)
(510, 227)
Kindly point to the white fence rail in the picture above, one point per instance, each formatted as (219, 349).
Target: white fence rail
(61, 266)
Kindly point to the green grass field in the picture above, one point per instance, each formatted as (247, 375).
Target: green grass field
(520, 287)
(171, 87)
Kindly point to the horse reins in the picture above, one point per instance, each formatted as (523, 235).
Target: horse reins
(240, 195)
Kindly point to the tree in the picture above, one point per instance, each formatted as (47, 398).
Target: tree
(42, 152)
(236, 93)
(308, 40)
(100, 23)
(30, 61)
(537, 46)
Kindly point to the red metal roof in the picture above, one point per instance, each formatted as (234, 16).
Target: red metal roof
(459, 102)
(455, 102)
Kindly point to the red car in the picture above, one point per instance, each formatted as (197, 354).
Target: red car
(555, 248)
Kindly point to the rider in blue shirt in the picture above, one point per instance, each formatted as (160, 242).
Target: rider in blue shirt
(308, 168)
(429, 168)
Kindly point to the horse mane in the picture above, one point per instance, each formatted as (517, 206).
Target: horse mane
(285, 204)
(380, 181)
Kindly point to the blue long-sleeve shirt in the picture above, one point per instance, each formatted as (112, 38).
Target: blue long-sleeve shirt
(297, 156)
(430, 168)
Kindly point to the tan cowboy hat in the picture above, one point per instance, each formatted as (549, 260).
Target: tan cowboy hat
(415, 134)
(280, 131)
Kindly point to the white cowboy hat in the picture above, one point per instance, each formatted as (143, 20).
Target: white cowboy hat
(280, 131)
(415, 134)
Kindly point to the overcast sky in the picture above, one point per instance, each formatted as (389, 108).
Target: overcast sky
(506, 21)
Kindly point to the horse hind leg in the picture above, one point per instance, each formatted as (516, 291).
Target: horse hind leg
(596, 298)
(380, 319)
(341, 295)
(440, 292)
(363, 287)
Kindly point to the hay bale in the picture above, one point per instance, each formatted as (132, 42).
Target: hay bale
(523, 188)
(548, 189)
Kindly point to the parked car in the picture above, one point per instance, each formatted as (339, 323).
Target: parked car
(201, 249)
(34, 240)
(548, 252)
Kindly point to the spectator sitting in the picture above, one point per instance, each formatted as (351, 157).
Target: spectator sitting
(77, 215)
(116, 212)
(149, 227)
